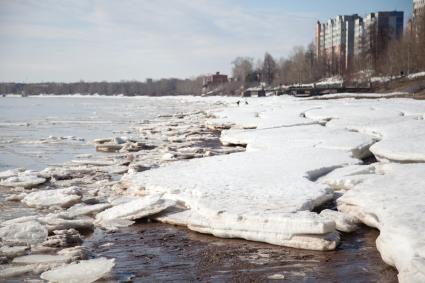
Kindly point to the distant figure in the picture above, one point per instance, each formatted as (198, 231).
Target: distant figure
(246, 102)
(238, 102)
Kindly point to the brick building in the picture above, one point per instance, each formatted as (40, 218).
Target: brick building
(215, 80)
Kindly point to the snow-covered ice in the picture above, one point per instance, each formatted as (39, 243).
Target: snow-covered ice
(393, 200)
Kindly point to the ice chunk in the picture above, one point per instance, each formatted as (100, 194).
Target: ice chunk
(344, 223)
(133, 210)
(85, 271)
(42, 259)
(50, 198)
(11, 173)
(30, 232)
(14, 271)
(23, 180)
(56, 222)
(83, 209)
(13, 251)
(392, 200)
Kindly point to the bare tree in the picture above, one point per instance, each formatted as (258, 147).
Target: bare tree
(242, 68)
(268, 70)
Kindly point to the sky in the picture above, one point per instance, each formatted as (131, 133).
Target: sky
(114, 40)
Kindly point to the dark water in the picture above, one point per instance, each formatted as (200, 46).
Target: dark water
(154, 252)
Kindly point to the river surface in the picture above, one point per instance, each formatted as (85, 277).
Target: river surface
(39, 131)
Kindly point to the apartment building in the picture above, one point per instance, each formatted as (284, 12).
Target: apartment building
(335, 42)
(340, 40)
(375, 31)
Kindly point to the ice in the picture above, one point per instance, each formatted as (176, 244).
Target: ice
(393, 201)
(25, 180)
(29, 232)
(259, 195)
(63, 238)
(397, 127)
(83, 209)
(10, 173)
(42, 259)
(13, 251)
(85, 271)
(14, 271)
(50, 198)
(344, 223)
(56, 222)
(126, 212)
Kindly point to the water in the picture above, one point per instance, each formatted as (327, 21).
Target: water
(24, 122)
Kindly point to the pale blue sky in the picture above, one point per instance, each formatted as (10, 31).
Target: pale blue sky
(93, 40)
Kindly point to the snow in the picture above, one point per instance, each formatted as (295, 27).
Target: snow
(397, 128)
(360, 95)
(416, 75)
(393, 201)
(85, 271)
(48, 198)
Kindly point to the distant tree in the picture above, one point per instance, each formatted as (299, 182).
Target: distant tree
(242, 68)
(268, 69)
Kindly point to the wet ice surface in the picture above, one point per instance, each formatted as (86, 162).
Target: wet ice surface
(298, 152)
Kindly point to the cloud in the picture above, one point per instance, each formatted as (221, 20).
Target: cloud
(135, 39)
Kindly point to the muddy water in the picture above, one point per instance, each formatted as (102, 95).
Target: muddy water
(154, 252)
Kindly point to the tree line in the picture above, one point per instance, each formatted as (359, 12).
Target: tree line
(128, 88)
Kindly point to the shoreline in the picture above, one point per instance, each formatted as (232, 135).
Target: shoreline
(211, 143)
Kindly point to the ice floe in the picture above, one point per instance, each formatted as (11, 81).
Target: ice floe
(124, 214)
(28, 232)
(393, 201)
(85, 271)
(25, 180)
(49, 198)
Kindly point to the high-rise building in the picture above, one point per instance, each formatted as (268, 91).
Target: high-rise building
(340, 40)
(335, 42)
(375, 31)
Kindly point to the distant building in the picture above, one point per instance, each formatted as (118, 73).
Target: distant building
(375, 31)
(418, 8)
(340, 40)
(418, 11)
(335, 42)
(215, 80)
